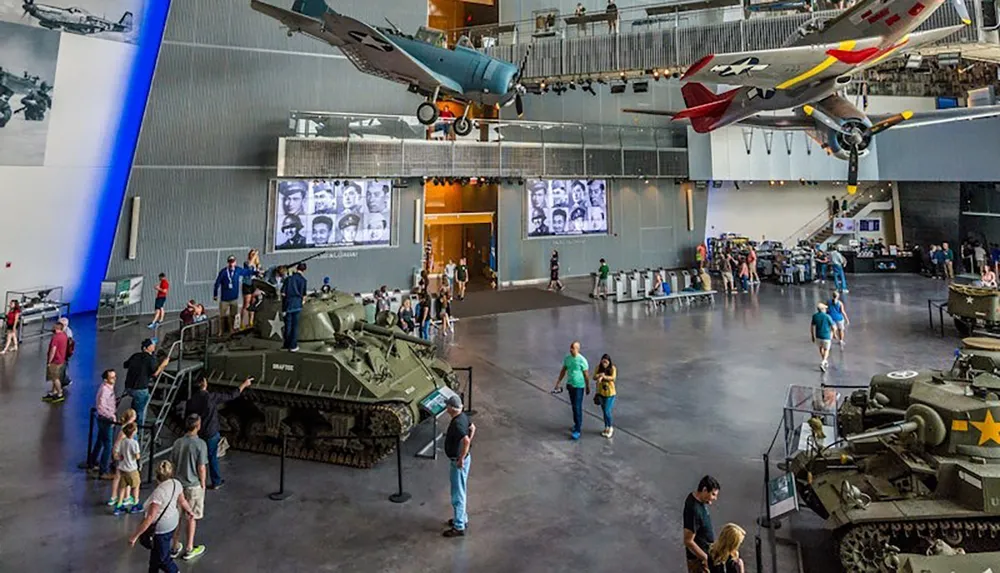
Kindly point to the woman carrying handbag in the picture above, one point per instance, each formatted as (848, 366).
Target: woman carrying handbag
(605, 376)
(162, 517)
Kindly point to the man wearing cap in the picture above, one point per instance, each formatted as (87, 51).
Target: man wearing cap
(348, 227)
(538, 195)
(293, 291)
(324, 199)
(291, 232)
(538, 219)
(293, 195)
(457, 443)
(141, 371)
(227, 284)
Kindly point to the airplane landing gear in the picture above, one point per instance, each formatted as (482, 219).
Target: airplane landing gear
(462, 126)
(427, 113)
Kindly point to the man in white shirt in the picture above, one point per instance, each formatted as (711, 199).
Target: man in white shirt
(449, 274)
(837, 261)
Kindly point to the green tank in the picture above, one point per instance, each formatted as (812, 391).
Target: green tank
(971, 307)
(342, 398)
(917, 465)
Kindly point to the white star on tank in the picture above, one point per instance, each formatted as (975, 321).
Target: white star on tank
(277, 326)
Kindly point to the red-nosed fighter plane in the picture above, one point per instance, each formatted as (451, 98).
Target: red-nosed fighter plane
(805, 75)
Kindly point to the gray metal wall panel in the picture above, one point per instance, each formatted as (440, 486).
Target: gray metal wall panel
(197, 209)
(929, 212)
(649, 227)
(969, 154)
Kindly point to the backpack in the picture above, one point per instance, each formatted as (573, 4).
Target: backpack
(70, 347)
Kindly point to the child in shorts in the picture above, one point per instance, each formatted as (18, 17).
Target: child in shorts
(126, 417)
(128, 469)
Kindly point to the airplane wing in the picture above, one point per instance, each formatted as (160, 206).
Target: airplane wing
(783, 68)
(776, 122)
(872, 18)
(922, 118)
(371, 51)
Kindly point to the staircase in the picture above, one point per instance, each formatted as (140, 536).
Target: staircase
(825, 232)
(162, 396)
(819, 230)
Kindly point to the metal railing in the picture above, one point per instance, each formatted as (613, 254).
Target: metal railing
(680, 42)
(344, 144)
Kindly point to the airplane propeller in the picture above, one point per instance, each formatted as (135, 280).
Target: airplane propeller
(963, 11)
(518, 87)
(855, 137)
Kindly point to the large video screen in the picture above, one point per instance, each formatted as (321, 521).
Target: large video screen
(321, 213)
(562, 207)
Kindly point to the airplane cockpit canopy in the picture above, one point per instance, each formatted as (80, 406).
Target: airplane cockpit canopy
(431, 36)
(465, 42)
(811, 27)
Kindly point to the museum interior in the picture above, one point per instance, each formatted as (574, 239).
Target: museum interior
(304, 260)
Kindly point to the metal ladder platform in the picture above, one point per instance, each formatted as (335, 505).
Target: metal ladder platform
(162, 396)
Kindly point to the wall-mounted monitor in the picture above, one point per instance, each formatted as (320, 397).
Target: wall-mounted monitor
(566, 207)
(331, 213)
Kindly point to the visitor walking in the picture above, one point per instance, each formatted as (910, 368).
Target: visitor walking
(162, 514)
(838, 262)
(55, 364)
(162, 289)
(698, 532)
(724, 554)
(601, 288)
(227, 291)
(457, 446)
(836, 310)
(189, 455)
(822, 260)
(13, 324)
(752, 265)
(461, 278)
(575, 370)
(554, 281)
(206, 405)
(605, 376)
(821, 331)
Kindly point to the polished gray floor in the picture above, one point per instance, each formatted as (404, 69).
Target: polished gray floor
(700, 391)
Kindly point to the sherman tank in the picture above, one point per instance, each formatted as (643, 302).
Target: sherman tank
(974, 307)
(342, 398)
(917, 468)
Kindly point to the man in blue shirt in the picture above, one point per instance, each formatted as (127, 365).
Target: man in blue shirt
(821, 330)
(293, 291)
(228, 282)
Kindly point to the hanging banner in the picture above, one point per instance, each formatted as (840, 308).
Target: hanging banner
(843, 226)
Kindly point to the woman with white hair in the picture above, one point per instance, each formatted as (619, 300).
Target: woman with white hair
(70, 349)
(162, 518)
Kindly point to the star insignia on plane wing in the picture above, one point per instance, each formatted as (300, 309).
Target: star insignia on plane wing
(744, 66)
(988, 429)
(277, 326)
(370, 41)
(762, 93)
(968, 300)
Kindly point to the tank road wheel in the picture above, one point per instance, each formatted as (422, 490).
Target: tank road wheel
(427, 113)
(863, 549)
(963, 326)
(462, 126)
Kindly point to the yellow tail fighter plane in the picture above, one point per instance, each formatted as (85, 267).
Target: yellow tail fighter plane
(816, 62)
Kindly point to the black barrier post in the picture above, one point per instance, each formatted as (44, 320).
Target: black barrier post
(400, 496)
(85, 464)
(468, 410)
(281, 494)
(759, 554)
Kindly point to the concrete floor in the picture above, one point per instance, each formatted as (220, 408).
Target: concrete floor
(700, 391)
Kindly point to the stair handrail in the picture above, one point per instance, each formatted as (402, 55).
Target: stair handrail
(824, 215)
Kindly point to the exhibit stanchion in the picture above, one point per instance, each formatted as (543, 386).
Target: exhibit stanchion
(400, 496)
(85, 464)
(758, 554)
(149, 463)
(468, 404)
(281, 494)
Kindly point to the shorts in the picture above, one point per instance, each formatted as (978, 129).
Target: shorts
(54, 371)
(823, 344)
(131, 479)
(229, 307)
(195, 497)
(839, 325)
(247, 290)
(160, 301)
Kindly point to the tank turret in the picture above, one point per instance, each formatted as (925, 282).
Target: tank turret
(342, 397)
(928, 471)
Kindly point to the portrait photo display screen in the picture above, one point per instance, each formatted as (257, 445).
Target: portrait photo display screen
(322, 214)
(562, 207)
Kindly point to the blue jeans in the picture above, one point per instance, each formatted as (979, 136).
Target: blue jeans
(576, 401)
(839, 280)
(291, 329)
(159, 556)
(215, 477)
(102, 449)
(140, 397)
(607, 404)
(459, 491)
(745, 283)
(822, 271)
(425, 330)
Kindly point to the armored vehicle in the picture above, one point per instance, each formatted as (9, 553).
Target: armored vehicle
(342, 398)
(917, 466)
(971, 307)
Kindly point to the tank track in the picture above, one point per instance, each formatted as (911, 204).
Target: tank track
(864, 548)
(361, 452)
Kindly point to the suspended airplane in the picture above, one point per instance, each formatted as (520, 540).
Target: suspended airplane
(422, 63)
(817, 61)
(74, 19)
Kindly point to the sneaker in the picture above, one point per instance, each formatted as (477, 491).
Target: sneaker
(822, 366)
(151, 325)
(217, 485)
(120, 510)
(575, 435)
(67, 383)
(112, 502)
(176, 551)
(296, 349)
(451, 524)
(194, 552)
(137, 508)
(55, 399)
(129, 501)
(611, 432)
(454, 532)
(845, 291)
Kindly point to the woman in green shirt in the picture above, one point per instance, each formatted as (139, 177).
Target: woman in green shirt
(604, 377)
(576, 371)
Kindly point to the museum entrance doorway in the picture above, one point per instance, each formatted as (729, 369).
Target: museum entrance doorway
(454, 236)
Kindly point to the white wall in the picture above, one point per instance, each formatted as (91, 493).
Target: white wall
(50, 209)
(760, 210)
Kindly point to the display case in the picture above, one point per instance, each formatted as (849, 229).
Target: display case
(120, 302)
(803, 403)
(41, 307)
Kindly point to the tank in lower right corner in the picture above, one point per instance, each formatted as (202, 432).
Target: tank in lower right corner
(917, 469)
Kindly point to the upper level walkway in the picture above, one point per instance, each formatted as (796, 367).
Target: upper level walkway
(675, 39)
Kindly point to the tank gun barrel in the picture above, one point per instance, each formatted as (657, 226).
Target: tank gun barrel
(901, 428)
(382, 331)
